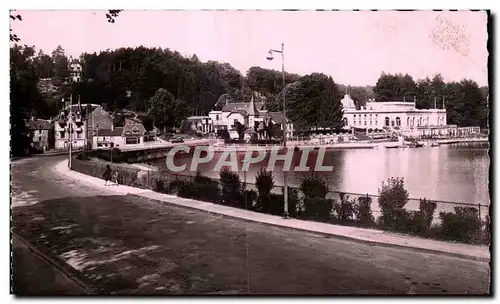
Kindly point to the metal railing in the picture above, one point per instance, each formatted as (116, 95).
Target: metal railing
(146, 179)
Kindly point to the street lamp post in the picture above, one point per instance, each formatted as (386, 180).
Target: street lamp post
(285, 180)
(69, 122)
(70, 130)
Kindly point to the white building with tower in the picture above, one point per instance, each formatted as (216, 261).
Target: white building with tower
(396, 116)
(248, 114)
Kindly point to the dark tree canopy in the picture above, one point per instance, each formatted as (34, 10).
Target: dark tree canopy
(394, 87)
(314, 101)
(465, 101)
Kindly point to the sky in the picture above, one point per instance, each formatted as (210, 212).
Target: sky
(353, 47)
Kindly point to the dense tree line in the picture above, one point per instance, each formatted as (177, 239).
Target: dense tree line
(166, 87)
(465, 101)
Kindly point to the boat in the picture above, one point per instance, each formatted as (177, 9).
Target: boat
(415, 144)
(434, 144)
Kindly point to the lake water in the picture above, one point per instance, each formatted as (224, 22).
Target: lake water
(455, 173)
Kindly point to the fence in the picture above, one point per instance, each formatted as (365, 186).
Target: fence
(165, 181)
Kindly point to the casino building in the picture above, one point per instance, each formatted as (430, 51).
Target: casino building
(397, 116)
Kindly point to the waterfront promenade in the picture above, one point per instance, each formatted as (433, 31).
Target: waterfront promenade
(126, 240)
(308, 144)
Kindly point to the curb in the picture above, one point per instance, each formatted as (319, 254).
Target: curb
(327, 235)
(69, 272)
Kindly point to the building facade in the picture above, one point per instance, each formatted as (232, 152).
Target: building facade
(402, 117)
(250, 114)
(75, 71)
(200, 124)
(119, 137)
(80, 123)
(39, 130)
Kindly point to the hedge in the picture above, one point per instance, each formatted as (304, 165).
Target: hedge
(463, 225)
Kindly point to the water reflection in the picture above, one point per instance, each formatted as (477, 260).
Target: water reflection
(457, 173)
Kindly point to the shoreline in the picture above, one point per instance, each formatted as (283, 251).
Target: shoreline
(349, 145)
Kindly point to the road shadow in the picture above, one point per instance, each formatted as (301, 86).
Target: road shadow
(131, 245)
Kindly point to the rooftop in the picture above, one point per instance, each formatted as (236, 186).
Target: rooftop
(117, 131)
(235, 106)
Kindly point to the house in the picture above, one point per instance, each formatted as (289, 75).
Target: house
(132, 133)
(200, 124)
(75, 70)
(39, 130)
(250, 114)
(83, 121)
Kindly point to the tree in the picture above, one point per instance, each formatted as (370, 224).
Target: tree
(240, 128)
(314, 101)
(24, 96)
(268, 81)
(166, 111)
(465, 104)
(270, 130)
(147, 122)
(51, 137)
(44, 66)
(61, 64)
(394, 87)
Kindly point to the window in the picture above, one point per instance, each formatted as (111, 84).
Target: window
(131, 141)
(61, 134)
(39, 138)
(398, 121)
(365, 122)
(392, 123)
(345, 121)
(408, 121)
(217, 117)
(387, 121)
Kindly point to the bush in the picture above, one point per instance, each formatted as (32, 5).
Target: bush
(277, 203)
(315, 202)
(463, 225)
(159, 185)
(128, 178)
(250, 199)
(363, 211)
(345, 208)
(392, 198)
(174, 186)
(428, 208)
(200, 188)
(230, 189)
(265, 183)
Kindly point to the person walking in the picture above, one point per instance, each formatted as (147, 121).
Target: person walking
(107, 175)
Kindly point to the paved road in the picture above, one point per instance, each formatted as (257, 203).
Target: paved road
(129, 245)
(33, 275)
